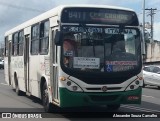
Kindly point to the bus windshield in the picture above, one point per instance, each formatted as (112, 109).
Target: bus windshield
(100, 49)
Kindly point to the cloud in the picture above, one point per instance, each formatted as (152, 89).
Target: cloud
(124, 3)
(13, 13)
(152, 3)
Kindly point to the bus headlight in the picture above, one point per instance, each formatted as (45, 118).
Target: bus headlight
(137, 82)
(134, 85)
(72, 86)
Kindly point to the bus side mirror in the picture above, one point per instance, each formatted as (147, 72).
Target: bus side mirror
(58, 37)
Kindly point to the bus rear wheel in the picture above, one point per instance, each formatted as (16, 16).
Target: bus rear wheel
(45, 99)
(17, 90)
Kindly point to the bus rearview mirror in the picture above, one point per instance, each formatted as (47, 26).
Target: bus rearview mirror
(58, 37)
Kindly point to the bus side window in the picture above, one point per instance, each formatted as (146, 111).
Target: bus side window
(20, 43)
(6, 47)
(44, 37)
(35, 40)
(15, 44)
(54, 47)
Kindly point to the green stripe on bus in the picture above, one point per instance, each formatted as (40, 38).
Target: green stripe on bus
(75, 99)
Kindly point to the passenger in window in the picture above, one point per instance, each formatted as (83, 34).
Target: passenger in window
(69, 49)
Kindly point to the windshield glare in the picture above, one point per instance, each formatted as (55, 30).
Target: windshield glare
(100, 49)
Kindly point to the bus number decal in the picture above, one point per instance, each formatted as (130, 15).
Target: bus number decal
(82, 29)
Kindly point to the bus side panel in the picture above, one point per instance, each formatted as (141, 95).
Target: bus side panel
(33, 75)
(12, 70)
(18, 70)
(7, 62)
(6, 75)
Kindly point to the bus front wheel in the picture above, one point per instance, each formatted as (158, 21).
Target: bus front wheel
(45, 99)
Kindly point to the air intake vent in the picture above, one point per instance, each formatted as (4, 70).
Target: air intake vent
(109, 88)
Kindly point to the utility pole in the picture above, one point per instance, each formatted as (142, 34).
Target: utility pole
(143, 29)
(152, 20)
(143, 11)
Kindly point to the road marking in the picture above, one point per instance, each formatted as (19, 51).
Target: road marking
(3, 84)
(148, 96)
(139, 108)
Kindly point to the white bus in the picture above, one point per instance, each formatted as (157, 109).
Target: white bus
(77, 55)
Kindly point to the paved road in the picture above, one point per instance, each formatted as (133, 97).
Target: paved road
(2, 76)
(10, 102)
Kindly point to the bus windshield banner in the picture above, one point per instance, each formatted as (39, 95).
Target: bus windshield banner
(99, 16)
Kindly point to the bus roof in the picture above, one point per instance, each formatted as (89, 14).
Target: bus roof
(55, 12)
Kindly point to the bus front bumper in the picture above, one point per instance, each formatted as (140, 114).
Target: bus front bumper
(76, 99)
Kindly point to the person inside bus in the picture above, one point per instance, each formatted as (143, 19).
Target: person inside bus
(119, 47)
(69, 47)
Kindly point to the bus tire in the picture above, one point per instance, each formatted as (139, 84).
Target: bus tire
(113, 107)
(144, 84)
(45, 99)
(18, 91)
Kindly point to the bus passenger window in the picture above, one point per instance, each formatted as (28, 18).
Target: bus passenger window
(6, 46)
(35, 40)
(15, 44)
(20, 43)
(44, 37)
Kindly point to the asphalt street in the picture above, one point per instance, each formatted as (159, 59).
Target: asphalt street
(10, 102)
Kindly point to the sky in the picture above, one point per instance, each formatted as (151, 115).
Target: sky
(15, 12)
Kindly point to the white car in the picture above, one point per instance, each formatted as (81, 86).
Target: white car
(1, 64)
(151, 75)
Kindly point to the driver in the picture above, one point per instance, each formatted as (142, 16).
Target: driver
(69, 47)
(119, 47)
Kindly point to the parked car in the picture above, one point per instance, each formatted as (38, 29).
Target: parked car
(1, 64)
(151, 75)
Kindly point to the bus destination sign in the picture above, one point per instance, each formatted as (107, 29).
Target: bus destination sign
(95, 16)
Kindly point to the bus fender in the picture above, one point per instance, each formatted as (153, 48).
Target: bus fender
(44, 79)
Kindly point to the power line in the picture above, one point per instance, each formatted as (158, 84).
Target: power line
(20, 7)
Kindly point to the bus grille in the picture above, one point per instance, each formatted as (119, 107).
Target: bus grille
(108, 88)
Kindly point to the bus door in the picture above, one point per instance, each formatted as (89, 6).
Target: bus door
(54, 75)
(26, 62)
(9, 61)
